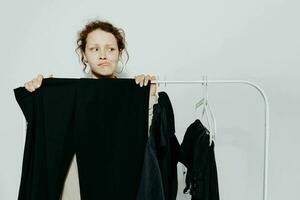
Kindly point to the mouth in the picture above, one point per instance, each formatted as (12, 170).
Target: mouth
(104, 64)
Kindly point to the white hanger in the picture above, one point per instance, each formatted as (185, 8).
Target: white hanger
(206, 110)
(158, 87)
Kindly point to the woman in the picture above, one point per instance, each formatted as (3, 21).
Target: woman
(101, 45)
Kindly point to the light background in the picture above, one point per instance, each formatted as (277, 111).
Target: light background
(255, 40)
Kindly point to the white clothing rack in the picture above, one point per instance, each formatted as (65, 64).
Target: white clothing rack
(266, 147)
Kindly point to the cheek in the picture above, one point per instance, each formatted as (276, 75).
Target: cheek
(114, 57)
(91, 58)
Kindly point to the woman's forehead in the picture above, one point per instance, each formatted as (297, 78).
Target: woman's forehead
(101, 37)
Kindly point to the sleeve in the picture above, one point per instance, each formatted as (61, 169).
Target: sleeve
(152, 101)
(25, 100)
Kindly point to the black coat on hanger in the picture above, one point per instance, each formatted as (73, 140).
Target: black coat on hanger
(159, 176)
(199, 158)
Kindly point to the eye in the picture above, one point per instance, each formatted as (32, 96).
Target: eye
(94, 49)
(111, 49)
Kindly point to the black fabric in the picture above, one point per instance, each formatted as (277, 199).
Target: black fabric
(151, 185)
(199, 158)
(168, 148)
(103, 121)
(161, 156)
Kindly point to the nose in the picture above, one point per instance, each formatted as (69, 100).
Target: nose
(102, 55)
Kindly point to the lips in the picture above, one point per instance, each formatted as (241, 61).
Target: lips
(104, 64)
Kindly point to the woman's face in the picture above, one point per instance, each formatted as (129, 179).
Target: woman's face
(101, 53)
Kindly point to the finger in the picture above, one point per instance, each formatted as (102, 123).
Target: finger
(147, 78)
(30, 86)
(39, 79)
(142, 77)
(136, 79)
(153, 78)
(26, 85)
(139, 79)
(35, 83)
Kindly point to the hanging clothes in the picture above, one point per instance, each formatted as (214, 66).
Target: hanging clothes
(199, 158)
(159, 176)
(103, 121)
(151, 185)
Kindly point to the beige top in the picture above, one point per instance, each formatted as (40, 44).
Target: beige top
(71, 190)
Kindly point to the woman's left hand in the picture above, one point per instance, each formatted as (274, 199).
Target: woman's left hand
(143, 81)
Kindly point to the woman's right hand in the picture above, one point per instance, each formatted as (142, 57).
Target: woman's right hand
(34, 83)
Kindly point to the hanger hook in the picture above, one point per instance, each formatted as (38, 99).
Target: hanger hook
(204, 77)
(203, 84)
(165, 80)
(206, 87)
(157, 81)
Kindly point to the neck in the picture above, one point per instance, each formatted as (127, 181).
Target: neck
(99, 76)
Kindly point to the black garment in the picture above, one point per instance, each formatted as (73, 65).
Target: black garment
(103, 121)
(199, 158)
(151, 185)
(161, 156)
(168, 148)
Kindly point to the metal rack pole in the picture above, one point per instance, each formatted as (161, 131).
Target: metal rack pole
(266, 149)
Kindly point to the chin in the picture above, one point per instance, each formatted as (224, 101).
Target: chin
(103, 74)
